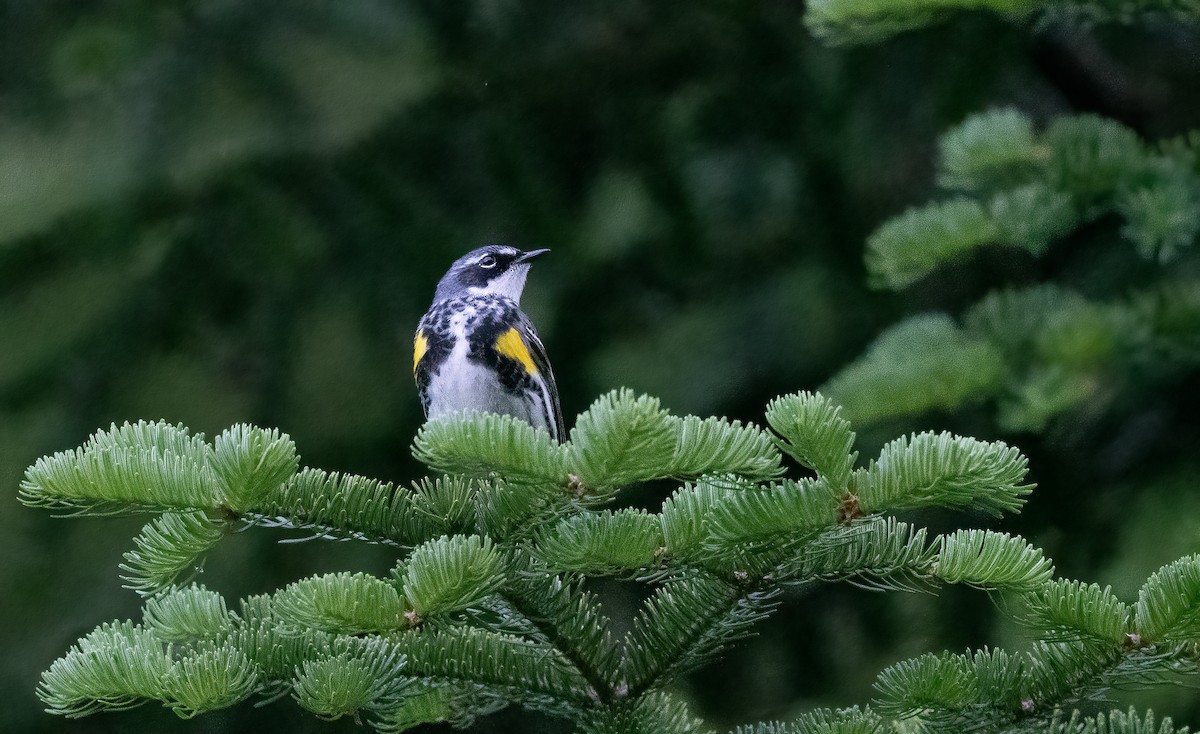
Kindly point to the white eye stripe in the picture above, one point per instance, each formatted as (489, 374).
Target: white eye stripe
(487, 261)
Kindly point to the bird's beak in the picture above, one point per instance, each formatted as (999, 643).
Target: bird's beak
(525, 257)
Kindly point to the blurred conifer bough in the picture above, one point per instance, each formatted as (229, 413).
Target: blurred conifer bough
(486, 607)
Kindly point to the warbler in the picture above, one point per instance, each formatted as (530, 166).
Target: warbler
(475, 349)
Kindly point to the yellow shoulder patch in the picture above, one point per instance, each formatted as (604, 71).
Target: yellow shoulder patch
(511, 345)
(420, 346)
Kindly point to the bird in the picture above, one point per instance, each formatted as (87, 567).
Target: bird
(476, 350)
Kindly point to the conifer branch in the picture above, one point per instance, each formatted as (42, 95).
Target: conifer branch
(570, 619)
(486, 607)
(168, 547)
(862, 21)
(823, 721)
(687, 621)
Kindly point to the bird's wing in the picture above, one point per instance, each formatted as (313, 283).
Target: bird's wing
(537, 351)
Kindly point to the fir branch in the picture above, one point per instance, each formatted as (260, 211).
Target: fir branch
(1073, 670)
(418, 704)
(1015, 319)
(346, 505)
(990, 560)
(906, 248)
(657, 712)
(708, 445)
(879, 553)
(1072, 610)
(138, 466)
(688, 620)
(602, 543)
(514, 509)
(944, 470)
(1114, 722)
(211, 677)
(251, 463)
(451, 573)
(1168, 606)
(754, 528)
(685, 517)
(1162, 217)
(115, 667)
(448, 503)
(954, 692)
(861, 21)
(190, 613)
(482, 444)
(168, 546)
(346, 683)
(276, 645)
(988, 150)
(1032, 216)
(1029, 190)
(1171, 313)
(343, 603)
(622, 439)
(813, 432)
(922, 363)
(518, 670)
(823, 721)
(1092, 158)
(569, 618)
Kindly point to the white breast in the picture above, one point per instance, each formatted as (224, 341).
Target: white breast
(463, 385)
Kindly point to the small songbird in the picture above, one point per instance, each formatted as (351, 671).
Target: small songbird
(476, 350)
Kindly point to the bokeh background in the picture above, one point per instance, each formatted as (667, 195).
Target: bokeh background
(214, 212)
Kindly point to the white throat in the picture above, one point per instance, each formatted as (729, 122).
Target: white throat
(509, 285)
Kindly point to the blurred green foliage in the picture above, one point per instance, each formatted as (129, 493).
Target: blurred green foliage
(215, 212)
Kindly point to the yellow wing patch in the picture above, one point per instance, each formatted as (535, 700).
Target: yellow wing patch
(420, 346)
(511, 345)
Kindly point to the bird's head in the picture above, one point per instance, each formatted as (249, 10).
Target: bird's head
(494, 269)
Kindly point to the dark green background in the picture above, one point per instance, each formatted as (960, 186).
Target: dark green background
(213, 212)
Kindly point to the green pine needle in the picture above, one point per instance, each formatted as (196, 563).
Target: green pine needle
(765, 524)
(603, 543)
(1168, 606)
(655, 713)
(945, 470)
(343, 603)
(131, 467)
(482, 444)
(823, 721)
(251, 463)
(922, 363)
(622, 439)
(168, 547)
(515, 669)
(1070, 610)
(880, 553)
(988, 150)
(813, 432)
(688, 621)
(115, 667)
(415, 706)
(346, 683)
(990, 560)
(1114, 722)
(210, 678)
(451, 573)
(910, 246)
(346, 505)
(190, 613)
(707, 445)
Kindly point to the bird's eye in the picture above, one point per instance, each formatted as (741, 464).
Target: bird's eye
(487, 261)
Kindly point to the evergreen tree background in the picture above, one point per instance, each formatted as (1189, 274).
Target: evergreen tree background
(224, 212)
